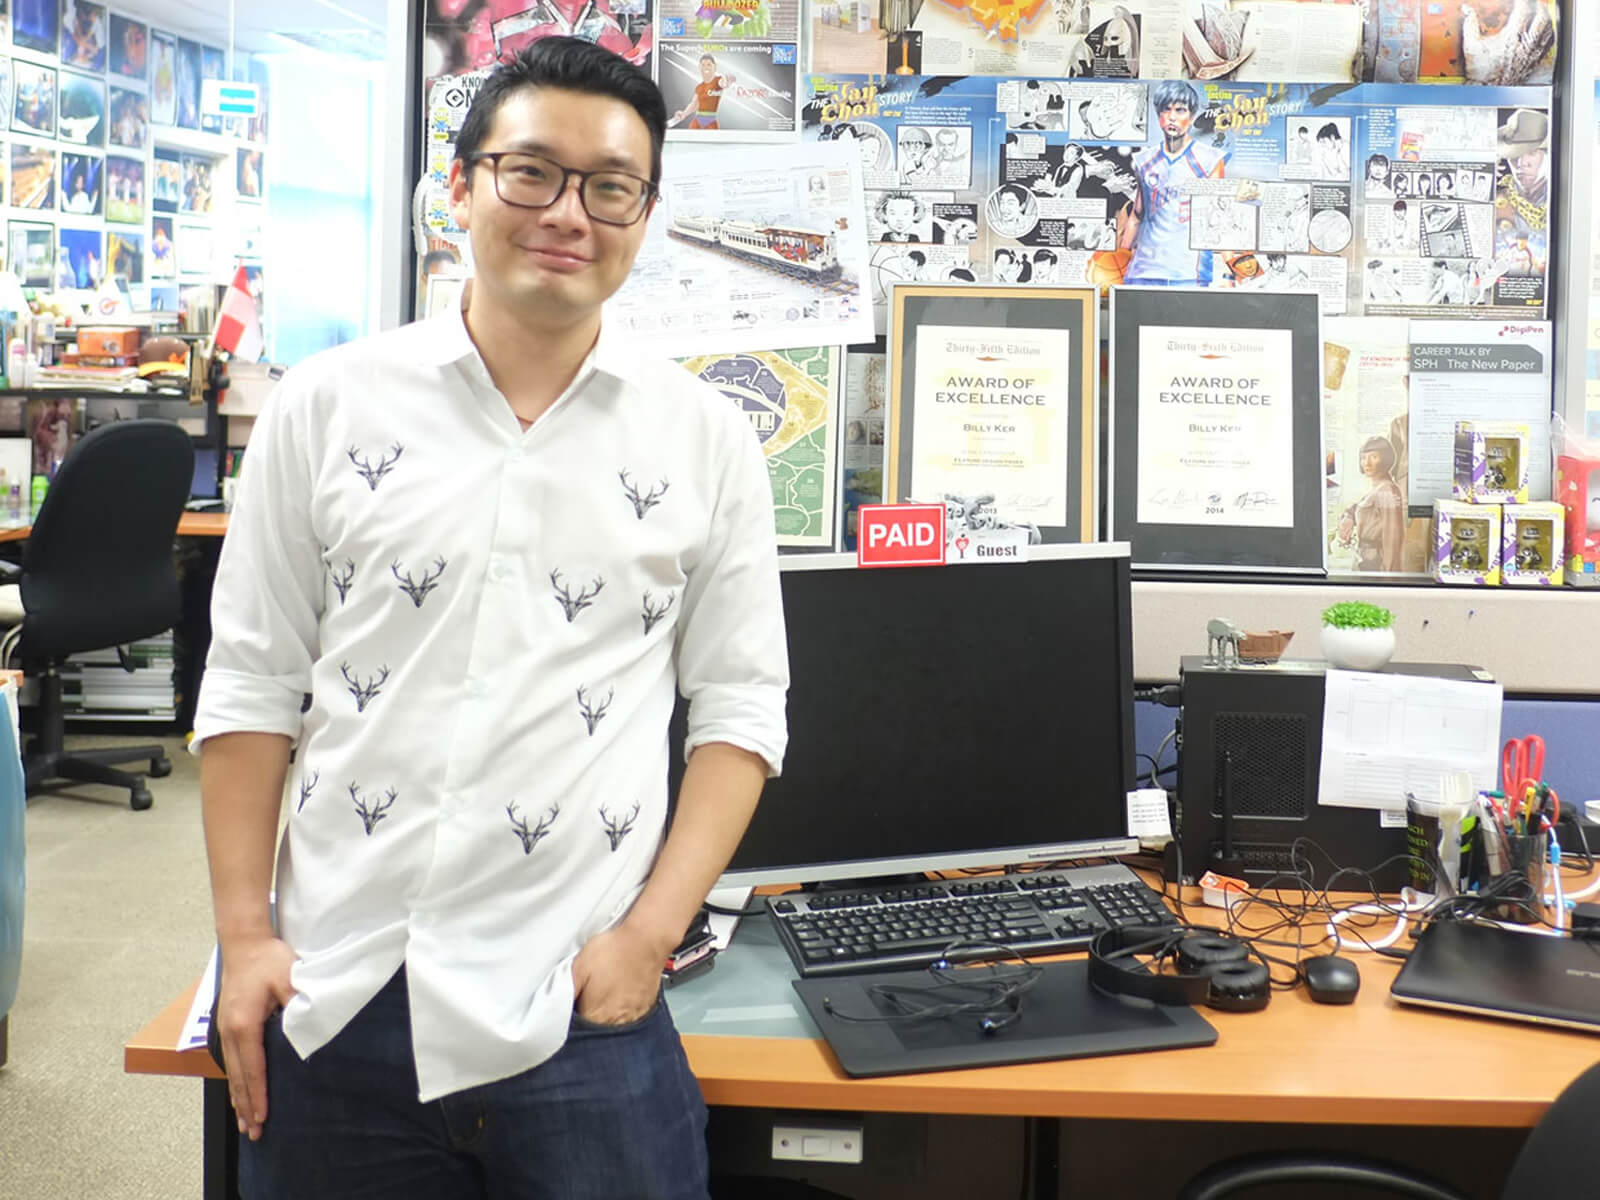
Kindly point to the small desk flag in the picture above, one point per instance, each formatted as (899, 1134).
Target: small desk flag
(238, 328)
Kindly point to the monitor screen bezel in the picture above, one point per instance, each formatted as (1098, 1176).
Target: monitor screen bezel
(989, 856)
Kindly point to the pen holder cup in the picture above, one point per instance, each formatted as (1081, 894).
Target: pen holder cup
(1529, 857)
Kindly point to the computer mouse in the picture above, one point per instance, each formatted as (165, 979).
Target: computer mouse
(1331, 978)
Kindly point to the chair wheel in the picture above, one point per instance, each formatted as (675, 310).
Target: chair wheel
(140, 799)
(160, 768)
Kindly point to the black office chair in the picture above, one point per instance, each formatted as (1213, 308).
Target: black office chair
(1555, 1155)
(97, 572)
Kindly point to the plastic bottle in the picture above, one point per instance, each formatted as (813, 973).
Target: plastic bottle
(44, 337)
(14, 504)
(17, 363)
(41, 485)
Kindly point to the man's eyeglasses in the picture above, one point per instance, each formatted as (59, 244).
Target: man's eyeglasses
(531, 181)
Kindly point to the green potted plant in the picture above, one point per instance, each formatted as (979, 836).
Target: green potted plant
(1357, 636)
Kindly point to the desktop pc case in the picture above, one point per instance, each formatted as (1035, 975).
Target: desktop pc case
(1261, 726)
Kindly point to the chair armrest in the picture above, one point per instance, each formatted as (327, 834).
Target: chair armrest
(1275, 1170)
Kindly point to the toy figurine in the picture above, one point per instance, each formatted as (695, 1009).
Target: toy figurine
(1466, 545)
(1532, 551)
(1494, 474)
(1222, 642)
(1529, 555)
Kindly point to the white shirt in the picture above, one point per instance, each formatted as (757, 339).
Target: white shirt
(490, 622)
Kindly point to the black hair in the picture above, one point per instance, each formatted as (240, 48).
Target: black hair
(1384, 449)
(1045, 254)
(572, 65)
(1330, 132)
(1378, 160)
(1175, 91)
(1015, 189)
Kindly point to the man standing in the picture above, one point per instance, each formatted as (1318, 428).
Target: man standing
(470, 563)
(1155, 224)
(707, 96)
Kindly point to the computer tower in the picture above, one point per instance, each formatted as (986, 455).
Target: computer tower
(1250, 741)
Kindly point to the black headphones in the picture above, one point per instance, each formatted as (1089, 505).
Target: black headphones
(1210, 968)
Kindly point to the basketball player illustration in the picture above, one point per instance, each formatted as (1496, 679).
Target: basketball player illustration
(1155, 224)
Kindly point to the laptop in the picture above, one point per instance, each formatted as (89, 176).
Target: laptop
(207, 484)
(1490, 972)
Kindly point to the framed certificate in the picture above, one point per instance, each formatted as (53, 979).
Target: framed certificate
(1216, 428)
(992, 404)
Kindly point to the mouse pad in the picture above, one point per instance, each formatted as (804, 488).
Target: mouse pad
(1062, 1016)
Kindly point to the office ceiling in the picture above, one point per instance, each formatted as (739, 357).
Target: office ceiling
(345, 27)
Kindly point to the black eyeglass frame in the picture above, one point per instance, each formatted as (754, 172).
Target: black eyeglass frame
(493, 157)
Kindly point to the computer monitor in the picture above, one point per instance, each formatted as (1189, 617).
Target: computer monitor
(945, 717)
(207, 478)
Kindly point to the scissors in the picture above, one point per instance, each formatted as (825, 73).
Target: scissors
(1521, 765)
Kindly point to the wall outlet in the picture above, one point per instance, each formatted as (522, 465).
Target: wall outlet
(817, 1143)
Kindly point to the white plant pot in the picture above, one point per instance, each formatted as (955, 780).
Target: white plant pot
(1357, 649)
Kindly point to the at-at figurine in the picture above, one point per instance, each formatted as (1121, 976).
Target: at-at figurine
(1222, 642)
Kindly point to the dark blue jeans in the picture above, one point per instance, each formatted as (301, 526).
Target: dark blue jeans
(614, 1115)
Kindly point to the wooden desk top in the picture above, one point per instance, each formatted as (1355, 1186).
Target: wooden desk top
(1375, 1062)
(191, 524)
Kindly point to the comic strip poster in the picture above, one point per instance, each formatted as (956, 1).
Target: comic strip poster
(1081, 39)
(759, 249)
(791, 398)
(736, 91)
(1498, 43)
(1265, 40)
(622, 26)
(1456, 212)
(729, 69)
(460, 36)
(448, 251)
(926, 149)
(1352, 193)
(1501, 43)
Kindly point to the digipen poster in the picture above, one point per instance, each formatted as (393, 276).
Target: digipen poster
(1379, 199)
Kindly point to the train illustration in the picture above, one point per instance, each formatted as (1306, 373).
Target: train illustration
(791, 249)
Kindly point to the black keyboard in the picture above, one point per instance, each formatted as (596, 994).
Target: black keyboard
(884, 928)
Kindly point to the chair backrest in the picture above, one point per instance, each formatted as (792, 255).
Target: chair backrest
(98, 568)
(1560, 1150)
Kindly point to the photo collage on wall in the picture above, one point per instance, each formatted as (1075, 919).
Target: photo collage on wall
(1394, 158)
(1375, 197)
(110, 167)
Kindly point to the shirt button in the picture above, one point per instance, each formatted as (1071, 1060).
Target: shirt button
(499, 570)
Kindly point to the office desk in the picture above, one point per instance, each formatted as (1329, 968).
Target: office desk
(191, 524)
(1373, 1063)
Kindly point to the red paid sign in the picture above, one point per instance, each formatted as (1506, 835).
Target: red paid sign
(900, 535)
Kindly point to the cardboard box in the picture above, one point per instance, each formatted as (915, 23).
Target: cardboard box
(1491, 462)
(107, 341)
(1532, 546)
(1466, 541)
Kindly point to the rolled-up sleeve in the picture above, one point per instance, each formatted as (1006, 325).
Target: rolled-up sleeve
(733, 659)
(267, 599)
